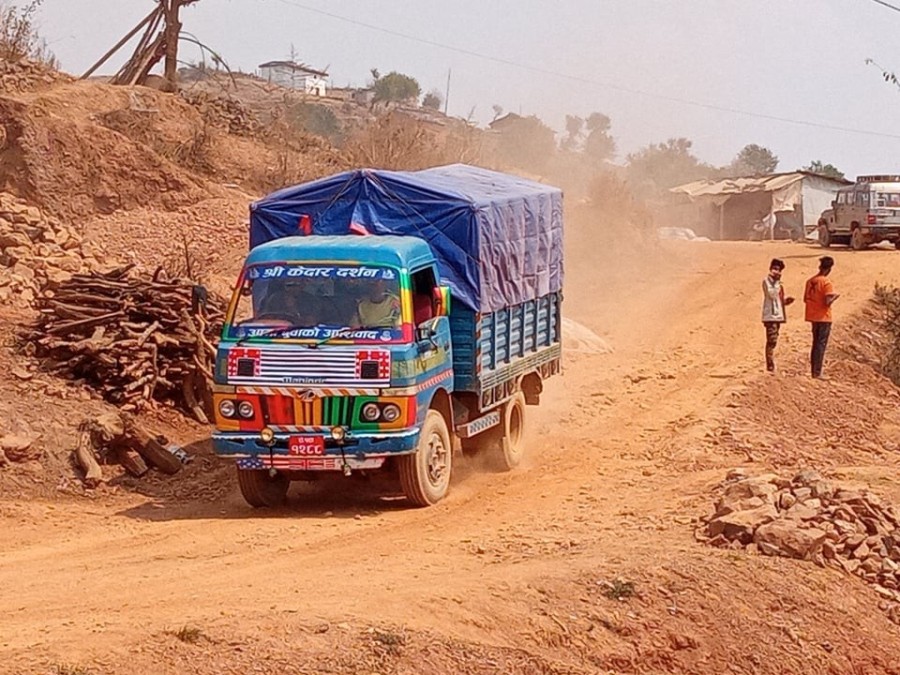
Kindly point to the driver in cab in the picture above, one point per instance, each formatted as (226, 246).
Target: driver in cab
(379, 309)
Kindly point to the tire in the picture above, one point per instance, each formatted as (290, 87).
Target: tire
(425, 475)
(858, 240)
(509, 452)
(260, 490)
(897, 244)
(824, 236)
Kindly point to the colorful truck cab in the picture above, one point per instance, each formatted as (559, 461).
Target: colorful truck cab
(384, 319)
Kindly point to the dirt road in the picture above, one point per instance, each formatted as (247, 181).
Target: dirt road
(617, 470)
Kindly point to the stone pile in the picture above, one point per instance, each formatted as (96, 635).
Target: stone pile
(27, 75)
(36, 252)
(810, 518)
(225, 113)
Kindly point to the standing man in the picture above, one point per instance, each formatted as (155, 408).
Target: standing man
(819, 296)
(773, 312)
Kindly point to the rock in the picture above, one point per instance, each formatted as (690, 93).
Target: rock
(829, 550)
(822, 489)
(861, 551)
(807, 478)
(726, 505)
(18, 448)
(788, 539)
(786, 501)
(871, 567)
(802, 494)
(847, 496)
(740, 525)
(801, 511)
(757, 486)
(736, 474)
(13, 239)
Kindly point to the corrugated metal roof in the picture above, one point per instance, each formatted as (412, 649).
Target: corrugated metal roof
(734, 186)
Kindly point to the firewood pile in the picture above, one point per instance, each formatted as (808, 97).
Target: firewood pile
(134, 338)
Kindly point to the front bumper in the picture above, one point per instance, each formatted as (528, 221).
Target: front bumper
(356, 450)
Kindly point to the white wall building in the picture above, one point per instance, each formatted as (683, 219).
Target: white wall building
(295, 76)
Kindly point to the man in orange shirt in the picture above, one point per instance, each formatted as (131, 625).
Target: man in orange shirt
(819, 296)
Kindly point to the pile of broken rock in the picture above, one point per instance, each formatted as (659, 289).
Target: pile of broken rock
(36, 252)
(810, 518)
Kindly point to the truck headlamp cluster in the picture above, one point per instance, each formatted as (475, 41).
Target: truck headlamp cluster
(230, 409)
(380, 412)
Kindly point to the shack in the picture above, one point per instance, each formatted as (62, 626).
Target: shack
(295, 76)
(779, 205)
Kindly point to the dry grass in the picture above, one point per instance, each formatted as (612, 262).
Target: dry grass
(19, 38)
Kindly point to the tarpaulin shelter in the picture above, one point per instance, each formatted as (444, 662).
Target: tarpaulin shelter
(727, 208)
(497, 238)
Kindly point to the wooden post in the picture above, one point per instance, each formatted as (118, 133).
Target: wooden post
(103, 59)
(722, 221)
(173, 29)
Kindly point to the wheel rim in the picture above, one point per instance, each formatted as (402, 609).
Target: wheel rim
(438, 460)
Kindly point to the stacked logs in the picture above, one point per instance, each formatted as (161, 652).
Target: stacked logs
(133, 338)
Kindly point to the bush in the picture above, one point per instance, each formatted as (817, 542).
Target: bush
(19, 38)
(888, 298)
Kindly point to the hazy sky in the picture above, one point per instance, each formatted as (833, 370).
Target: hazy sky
(798, 59)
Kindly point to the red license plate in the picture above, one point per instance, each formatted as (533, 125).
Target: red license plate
(306, 446)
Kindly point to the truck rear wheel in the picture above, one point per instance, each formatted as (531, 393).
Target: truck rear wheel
(425, 475)
(858, 240)
(259, 489)
(508, 453)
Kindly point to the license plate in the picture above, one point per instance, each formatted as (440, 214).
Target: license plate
(306, 446)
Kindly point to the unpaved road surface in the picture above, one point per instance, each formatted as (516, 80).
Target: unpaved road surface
(505, 572)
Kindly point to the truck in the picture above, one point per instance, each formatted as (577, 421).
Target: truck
(385, 321)
(862, 214)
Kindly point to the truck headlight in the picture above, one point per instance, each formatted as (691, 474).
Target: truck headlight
(245, 409)
(390, 412)
(226, 408)
(370, 412)
(266, 435)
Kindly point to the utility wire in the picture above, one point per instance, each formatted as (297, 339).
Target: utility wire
(599, 83)
(887, 4)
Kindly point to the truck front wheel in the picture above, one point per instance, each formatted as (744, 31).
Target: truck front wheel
(858, 240)
(425, 475)
(824, 236)
(262, 490)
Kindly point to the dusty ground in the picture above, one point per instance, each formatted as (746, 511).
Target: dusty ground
(510, 573)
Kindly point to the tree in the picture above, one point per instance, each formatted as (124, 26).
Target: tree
(433, 100)
(396, 87)
(661, 166)
(754, 160)
(498, 111)
(376, 74)
(829, 170)
(599, 146)
(526, 143)
(574, 134)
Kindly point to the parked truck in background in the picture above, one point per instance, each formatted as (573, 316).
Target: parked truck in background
(862, 214)
(382, 319)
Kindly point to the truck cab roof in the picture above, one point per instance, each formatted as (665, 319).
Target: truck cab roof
(393, 250)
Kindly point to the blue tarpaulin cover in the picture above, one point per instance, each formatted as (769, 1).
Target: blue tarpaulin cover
(497, 238)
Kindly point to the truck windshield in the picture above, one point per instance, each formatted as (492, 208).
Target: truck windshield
(317, 302)
(888, 199)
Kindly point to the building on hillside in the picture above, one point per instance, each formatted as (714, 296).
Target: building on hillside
(777, 206)
(295, 76)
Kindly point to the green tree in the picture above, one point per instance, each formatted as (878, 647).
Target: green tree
(396, 87)
(433, 100)
(829, 170)
(754, 160)
(599, 146)
(661, 166)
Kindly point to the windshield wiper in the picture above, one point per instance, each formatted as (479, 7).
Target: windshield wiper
(335, 335)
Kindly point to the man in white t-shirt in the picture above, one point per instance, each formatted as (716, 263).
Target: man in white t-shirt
(773, 309)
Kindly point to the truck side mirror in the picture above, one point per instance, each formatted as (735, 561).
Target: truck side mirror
(441, 301)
